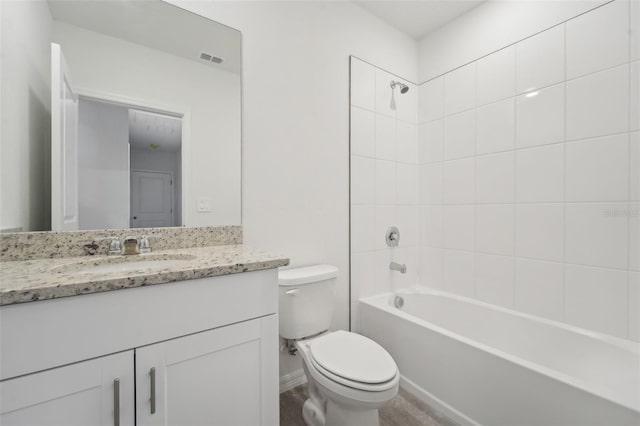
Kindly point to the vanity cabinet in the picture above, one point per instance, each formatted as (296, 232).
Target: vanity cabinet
(209, 378)
(95, 392)
(194, 352)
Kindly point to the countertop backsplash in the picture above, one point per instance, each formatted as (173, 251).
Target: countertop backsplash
(49, 245)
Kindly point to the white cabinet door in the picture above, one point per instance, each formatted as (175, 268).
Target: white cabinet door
(227, 376)
(95, 392)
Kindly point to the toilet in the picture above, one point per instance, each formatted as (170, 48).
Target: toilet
(349, 376)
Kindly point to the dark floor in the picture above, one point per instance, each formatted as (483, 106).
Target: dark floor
(403, 410)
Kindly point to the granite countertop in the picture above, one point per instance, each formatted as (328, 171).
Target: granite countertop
(42, 279)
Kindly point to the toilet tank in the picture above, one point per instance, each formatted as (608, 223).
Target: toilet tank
(306, 298)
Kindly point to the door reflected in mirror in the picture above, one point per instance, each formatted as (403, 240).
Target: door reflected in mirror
(118, 114)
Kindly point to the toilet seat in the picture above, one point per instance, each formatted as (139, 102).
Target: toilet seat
(353, 360)
(367, 387)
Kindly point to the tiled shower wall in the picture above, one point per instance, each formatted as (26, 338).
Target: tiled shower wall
(384, 181)
(529, 187)
(521, 186)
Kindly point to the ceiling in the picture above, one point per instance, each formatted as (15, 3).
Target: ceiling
(146, 128)
(155, 24)
(418, 17)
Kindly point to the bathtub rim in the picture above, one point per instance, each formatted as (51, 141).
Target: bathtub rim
(384, 302)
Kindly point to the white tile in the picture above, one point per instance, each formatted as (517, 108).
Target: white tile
(496, 76)
(385, 182)
(596, 299)
(385, 138)
(362, 228)
(407, 223)
(460, 135)
(495, 179)
(539, 288)
(495, 127)
(385, 102)
(383, 274)
(540, 231)
(407, 103)
(494, 229)
(458, 224)
(597, 234)
(540, 174)
(634, 306)
(634, 171)
(363, 84)
(460, 89)
(431, 100)
(458, 272)
(363, 132)
(431, 226)
(363, 279)
(598, 39)
(494, 279)
(407, 137)
(362, 180)
(635, 31)
(431, 142)
(634, 113)
(430, 270)
(634, 236)
(430, 184)
(540, 60)
(407, 184)
(598, 169)
(459, 185)
(540, 117)
(598, 104)
(386, 216)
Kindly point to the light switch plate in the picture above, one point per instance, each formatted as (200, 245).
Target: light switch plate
(204, 205)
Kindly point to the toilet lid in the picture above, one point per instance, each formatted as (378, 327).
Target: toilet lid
(353, 357)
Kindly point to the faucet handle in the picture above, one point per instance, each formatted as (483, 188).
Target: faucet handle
(115, 247)
(144, 244)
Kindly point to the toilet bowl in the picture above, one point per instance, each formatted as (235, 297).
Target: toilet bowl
(349, 376)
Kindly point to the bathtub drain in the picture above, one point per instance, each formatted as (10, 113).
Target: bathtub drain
(398, 302)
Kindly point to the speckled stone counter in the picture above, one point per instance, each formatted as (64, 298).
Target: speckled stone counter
(41, 279)
(39, 245)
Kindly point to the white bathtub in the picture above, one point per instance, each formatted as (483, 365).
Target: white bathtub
(482, 364)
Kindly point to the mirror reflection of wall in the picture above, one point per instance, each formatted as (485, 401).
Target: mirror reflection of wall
(119, 53)
(129, 167)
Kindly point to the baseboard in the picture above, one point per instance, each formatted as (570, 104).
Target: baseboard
(292, 380)
(436, 403)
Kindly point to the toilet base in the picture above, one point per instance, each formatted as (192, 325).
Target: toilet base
(337, 415)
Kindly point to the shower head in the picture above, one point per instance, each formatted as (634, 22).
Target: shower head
(403, 87)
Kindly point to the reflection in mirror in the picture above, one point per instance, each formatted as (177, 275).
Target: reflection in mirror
(117, 114)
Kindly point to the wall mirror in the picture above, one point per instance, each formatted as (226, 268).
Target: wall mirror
(117, 114)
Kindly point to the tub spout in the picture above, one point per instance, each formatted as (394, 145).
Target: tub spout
(402, 268)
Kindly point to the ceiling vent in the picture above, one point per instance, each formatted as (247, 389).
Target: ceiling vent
(210, 58)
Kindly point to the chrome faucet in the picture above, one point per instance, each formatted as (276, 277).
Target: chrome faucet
(115, 247)
(402, 268)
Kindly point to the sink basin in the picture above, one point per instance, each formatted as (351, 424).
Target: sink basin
(122, 264)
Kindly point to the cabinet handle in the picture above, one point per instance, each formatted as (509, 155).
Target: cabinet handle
(116, 402)
(152, 373)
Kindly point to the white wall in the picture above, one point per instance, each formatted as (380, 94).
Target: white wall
(384, 182)
(489, 27)
(111, 65)
(530, 174)
(103, 165)
(25, 80)
(296, 124)
(162, 161)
